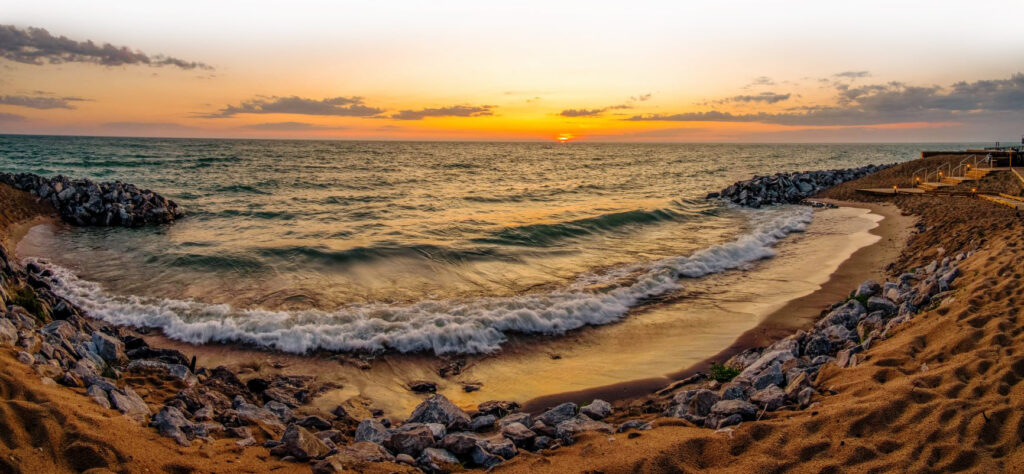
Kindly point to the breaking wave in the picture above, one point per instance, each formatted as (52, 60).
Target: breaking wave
(477, 325)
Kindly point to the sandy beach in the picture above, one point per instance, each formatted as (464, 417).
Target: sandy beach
(925, 398)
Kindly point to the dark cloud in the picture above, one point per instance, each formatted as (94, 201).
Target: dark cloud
(38, 46)
(640, 98)
(10, 117)
(852, 74)
(894, 102)
(766, 97)
(290, 126)
(582, 112)
(333, 106)
(40, 101)
(452, 111)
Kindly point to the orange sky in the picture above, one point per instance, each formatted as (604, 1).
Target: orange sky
(647, 71)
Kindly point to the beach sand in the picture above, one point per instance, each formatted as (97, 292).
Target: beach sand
(942, 394)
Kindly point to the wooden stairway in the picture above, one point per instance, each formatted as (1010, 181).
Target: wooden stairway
(1008, 200)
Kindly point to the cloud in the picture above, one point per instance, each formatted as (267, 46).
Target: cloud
(852, 74)
(581, 112)
(452, 111)
(40, 101)
(894, 102)
(332, 106)
(766, 97)
(760, 81)
(37, 46)
(290, 126)
(4, 117)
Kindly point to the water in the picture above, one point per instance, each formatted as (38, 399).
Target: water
(442, 247)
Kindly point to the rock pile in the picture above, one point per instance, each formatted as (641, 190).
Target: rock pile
(789, 188)
(781, 376)
(87, 203)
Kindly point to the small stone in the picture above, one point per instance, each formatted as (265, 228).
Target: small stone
(771, 397)
(109, 348)
(423, 386)
(301, 444)
(371, 430)
(438, 409)
(98, 395)
(725, 408)
(411, 442)
(519, 434)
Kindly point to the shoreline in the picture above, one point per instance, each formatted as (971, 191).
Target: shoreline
(383, 381)
(800, 313)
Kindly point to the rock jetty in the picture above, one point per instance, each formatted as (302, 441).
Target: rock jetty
(84, 202)
(789, 188)
(782, 375)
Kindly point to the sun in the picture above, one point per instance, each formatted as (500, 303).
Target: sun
(565, 137)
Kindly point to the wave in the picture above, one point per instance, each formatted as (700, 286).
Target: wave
(548, 234)
(477, 325)
(325, 255)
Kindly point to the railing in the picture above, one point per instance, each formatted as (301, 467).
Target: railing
(919, 176)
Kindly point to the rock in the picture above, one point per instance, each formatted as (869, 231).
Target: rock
(519, 434)
(483, 458)
(60, 329)
(314, 422)
(730, 420)
(364, 452)
(837, 333)
(804, 397)
(497, 408)
(766, 361)
(868, 288)
(330, 465)
(423, 386)
(371, 430)
(169, 422)
(771, 397)
(817, 345)
(176, 371)
(411, 442)
(438, 461)
(98, 395)
(847, 357)
(733, 391)
(634, 425)
(769, 377)
(405, 459)
(570, 427)
(25, 357)
(109, 348)
(697, 402)
(558, 414)
(460, 443)
(796, 384)
(130, 403)
(885, 305)
(523, 418)
(482, 423)
(280, 410)
(438, 409)
(8, 333)
(250, 414)
(499, 446)
(300, 444)
(847, 315)
(726, 408)
(597, 409)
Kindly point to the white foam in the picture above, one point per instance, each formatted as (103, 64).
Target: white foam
(476, 325)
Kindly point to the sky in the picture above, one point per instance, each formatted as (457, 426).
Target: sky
(679, 71)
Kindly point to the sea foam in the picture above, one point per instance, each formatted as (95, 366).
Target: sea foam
(476, 325)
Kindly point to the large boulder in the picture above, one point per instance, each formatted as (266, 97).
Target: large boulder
(567, 429)
(130, 403)
(438, 409)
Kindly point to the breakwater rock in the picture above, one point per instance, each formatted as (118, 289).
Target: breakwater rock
(783, 375)
(85, 202)
(789, 188)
